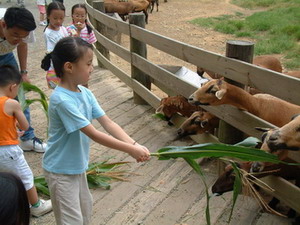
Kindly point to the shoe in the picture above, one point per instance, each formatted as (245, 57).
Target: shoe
(43, 23)
(34, 144)
(42, 209)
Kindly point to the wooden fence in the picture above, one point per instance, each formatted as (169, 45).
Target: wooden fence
(145, 72)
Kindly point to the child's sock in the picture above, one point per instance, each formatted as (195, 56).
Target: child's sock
(37, 204)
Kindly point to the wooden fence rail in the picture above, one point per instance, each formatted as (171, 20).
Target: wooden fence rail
(268, 81)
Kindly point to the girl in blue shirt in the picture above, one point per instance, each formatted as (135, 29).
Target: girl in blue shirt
(71, 110)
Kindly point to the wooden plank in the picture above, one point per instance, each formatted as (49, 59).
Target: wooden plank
(188, 190)
(196, 214)
(164, 183)
(242, 72)
(152, 99)
(114, 47)
(285, 191)
(164, 76)
(115, 201)
(244, 213)
(270, 219)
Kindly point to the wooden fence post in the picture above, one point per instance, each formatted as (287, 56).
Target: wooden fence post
(243, 51)
(139, 48)
(99, 5)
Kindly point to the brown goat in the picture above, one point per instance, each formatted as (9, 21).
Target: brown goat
(198, 123)
(151, 5)
(176, 104)
(219, 92)
(122, 8)
(225, 182)
(141, 6)
(294, 73)
(284, 138)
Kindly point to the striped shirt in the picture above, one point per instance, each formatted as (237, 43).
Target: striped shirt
(90, 38)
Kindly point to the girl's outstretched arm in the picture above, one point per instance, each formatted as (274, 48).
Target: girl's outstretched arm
(138, 152)
(114, 129)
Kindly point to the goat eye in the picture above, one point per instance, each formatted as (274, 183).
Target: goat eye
(209, 89)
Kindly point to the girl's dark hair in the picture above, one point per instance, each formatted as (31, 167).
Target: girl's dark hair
(88, 27)
(14, 205)
(52, 6)
(19, 17)
(68, 49)
(9, 74)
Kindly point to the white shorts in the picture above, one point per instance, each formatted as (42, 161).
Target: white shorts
(12, 160)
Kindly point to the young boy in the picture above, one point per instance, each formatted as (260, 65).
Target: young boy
(16, 30)
(11, 155)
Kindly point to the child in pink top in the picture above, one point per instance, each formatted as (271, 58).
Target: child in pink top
(52, 34)
(42, 9)
(80, 27)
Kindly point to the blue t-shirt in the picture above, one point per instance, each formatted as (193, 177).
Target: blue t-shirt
(68, 149)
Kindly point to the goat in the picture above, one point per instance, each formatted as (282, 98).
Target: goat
(176, 104)
(122, 8)
(264, 61)
(280, 140)
(268, 62)
(198, 123)
(218, 92)
(151, 5)
(141, 6)
(294, 73)
(286, 137)
(225, 182)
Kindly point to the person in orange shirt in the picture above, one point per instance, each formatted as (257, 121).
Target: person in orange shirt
(11, 155)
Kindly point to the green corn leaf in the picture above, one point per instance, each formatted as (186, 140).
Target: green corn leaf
(160, 116)
(250, 142)
(215, 150)
(237, 187)
(197, 168)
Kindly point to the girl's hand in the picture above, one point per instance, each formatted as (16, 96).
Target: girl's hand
(79, 26)
(141, 154)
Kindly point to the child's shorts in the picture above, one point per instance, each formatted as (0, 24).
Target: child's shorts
(12, 160)
(42, 9)
(52, 79)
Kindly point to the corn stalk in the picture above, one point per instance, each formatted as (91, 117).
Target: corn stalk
(99, 175)
(222, 151)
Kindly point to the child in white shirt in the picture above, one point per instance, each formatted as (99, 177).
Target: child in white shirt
(52, 34)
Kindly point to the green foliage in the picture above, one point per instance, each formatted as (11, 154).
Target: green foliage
(276, 30)
(99, 175)
(238, 151)
(25, 103)
(251, 4)
(160, 116)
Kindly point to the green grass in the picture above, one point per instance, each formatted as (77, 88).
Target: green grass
(275, 30)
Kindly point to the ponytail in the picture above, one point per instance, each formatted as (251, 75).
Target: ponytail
(89, 28)
(46, 62)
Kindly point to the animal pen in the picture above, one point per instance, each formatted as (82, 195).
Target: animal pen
(236, 67)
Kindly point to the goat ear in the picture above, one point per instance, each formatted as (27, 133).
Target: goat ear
(262, 129)
(220, 94)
